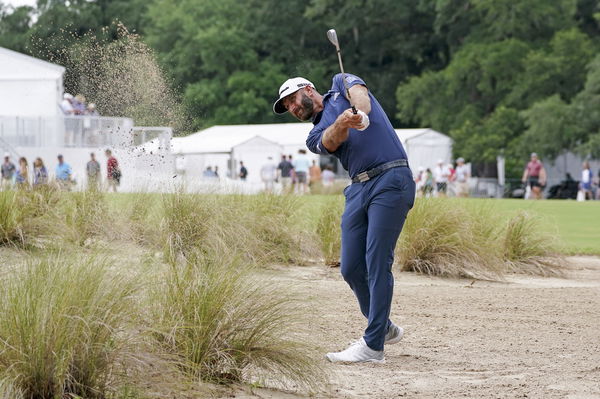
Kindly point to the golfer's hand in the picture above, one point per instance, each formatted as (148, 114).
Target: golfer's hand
(350, 120)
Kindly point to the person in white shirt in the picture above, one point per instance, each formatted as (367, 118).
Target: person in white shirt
(301, 167)
(586, 181)
(440, 175)
(462, 176)
(268, 174)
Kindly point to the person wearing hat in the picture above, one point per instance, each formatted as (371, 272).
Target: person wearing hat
(8, 172)
(534, 176)
(377, 202)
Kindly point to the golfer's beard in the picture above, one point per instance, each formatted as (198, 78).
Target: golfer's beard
(307, 108)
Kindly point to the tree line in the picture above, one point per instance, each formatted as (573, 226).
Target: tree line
(498, 76)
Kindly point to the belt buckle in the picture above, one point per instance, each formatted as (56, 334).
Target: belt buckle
(363, 177)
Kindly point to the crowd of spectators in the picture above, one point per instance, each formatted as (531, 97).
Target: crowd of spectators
(21, 177)
(445, 180)
(77, 106)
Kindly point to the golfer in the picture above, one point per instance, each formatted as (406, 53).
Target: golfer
(377, 202)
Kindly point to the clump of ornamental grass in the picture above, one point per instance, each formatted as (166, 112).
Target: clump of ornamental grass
(222, 324)
(185, 224)
(63, 328)
(261, 227)
(443, 237)
(457, 238)
(268, 223)
(27, 217)
(85, 215)
(329, 229)
(529, 248)
(142, 221)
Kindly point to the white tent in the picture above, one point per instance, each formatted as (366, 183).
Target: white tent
(29, 86)
(225, 146)
(425, 147)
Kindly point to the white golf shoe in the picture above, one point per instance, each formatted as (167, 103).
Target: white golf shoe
(358, 352)
(394, 334)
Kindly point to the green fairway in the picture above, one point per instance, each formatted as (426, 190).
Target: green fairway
(578, 223)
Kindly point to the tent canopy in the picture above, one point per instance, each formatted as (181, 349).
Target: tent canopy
(29, 86)
(222, 138)
(17, 66)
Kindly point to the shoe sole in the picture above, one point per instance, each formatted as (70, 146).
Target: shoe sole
(361, 361)
(397, 339)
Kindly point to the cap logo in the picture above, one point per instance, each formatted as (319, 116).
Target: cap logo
(284, 89)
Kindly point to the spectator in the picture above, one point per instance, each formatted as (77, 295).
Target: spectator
(284, 173)
(292, 174)
(113, 172)
(67, 104)
(314, 174)
(91, 110)
(328, 176)
(22, 176)
(243, 172)
(440, 176)
(301, 167)
(428, 183)
(78, 103)
(461, 177)
(534, 176)
(64, 174)
(420, 180)
(268, 174)
(216, 171)
(209, 173)
(92, 169)
(586, 181)
(40, 173)
(8, 172)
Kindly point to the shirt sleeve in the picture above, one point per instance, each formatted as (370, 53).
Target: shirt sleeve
(314, 142)
(351, 80)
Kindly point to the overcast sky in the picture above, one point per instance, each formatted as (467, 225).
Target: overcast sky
(17, 3)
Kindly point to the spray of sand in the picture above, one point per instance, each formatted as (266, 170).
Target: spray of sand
(118, 72)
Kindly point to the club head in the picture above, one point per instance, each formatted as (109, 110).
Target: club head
(332, 36)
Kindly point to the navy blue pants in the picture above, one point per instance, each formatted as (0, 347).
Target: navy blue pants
(373, 218)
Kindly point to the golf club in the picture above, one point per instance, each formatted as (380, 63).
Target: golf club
(332, 36)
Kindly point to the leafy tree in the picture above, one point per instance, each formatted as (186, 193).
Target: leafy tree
(14, 27)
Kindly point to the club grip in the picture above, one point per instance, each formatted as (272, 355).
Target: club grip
(354, 111)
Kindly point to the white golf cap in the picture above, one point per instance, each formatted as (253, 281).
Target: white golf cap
(288, 87)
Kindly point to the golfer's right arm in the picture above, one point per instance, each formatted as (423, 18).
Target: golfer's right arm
(337, 133)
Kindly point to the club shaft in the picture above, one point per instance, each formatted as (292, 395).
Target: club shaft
(339, 54)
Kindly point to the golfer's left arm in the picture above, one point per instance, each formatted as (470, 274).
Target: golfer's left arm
(360, 98)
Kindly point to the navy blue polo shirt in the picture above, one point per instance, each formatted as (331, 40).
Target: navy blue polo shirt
(364, 150)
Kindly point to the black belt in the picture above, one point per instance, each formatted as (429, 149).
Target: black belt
(371, 173)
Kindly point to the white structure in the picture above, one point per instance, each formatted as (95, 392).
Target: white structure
(29, 86)
(425, 147)
(32, 125)
(226, 146)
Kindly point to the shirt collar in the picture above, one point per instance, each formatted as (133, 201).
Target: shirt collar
(317, 117)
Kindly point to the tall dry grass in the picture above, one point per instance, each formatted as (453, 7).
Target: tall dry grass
(528, 248)
(454, 238)
(64, 327)
(329, 229)
(223, 324)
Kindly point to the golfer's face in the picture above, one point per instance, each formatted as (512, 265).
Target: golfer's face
(299, 105)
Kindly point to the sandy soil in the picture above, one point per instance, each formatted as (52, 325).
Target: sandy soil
(528, 337)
